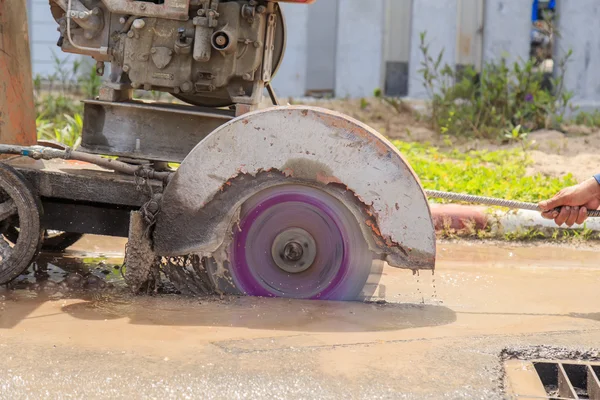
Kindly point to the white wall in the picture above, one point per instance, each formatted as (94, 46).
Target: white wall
(507, 30)
(43, 36)
(360, 47)
(290, 80)
(437, 18)
(580, 32)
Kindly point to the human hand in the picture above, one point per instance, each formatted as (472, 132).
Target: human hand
(574, 202)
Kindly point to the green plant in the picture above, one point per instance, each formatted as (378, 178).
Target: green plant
(363, 103)
(90, 84)
(500, 97)
(397, 104)
(66, 130)
(501, 173)
(591, 119)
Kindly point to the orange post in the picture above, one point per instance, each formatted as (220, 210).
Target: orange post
(17, 113)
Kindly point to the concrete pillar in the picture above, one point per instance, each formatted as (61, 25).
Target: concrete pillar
(437, 18)
(580, 32)
(360, 37)
(507, 30)
(290, 80)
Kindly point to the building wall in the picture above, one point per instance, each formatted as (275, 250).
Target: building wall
(291, 79)
(580, 33)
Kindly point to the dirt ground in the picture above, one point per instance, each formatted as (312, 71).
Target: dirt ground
(553, 153)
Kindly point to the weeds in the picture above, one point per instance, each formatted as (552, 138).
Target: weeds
(588, 119)
(553, 235)
(57, 100)
(501, 97)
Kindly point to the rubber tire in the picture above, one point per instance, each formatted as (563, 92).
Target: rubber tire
(30, 212)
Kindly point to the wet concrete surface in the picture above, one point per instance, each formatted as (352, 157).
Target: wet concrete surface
(438, 336)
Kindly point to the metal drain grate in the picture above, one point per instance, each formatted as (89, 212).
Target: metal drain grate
(543, 379)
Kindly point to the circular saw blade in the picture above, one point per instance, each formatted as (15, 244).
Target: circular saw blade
(261, 263)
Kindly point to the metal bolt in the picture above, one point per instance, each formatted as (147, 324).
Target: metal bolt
(186, 86)
(144, 57)
(221, 40)
(201, 12)
(293, 251)
(96, 11)
(142, 6)
(247, 77)
(139, 24)
(257, 44)
(261, 9)
(126, 68)
(153, 50)
(130, 34)
(122, 20)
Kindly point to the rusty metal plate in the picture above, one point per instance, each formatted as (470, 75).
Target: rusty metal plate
(161, 132)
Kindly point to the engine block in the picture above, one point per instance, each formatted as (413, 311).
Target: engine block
(205, 52)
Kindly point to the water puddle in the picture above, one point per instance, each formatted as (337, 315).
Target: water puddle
(470, 279)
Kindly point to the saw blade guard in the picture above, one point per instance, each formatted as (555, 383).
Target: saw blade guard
(306, 171)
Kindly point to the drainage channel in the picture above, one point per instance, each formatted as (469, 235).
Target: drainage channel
(552, 379)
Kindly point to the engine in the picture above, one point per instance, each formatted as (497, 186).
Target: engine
(205, 52)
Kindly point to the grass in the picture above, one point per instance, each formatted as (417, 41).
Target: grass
(500, 173)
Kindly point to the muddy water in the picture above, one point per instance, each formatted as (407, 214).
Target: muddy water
(442, 323)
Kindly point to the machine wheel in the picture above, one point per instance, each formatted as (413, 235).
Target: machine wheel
(18, 207)
(294, 241)
(54, 241)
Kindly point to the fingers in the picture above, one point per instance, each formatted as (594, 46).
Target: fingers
(552, 214)
(573, 215)
(582, 215)
(568, 215)
(565, 212)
